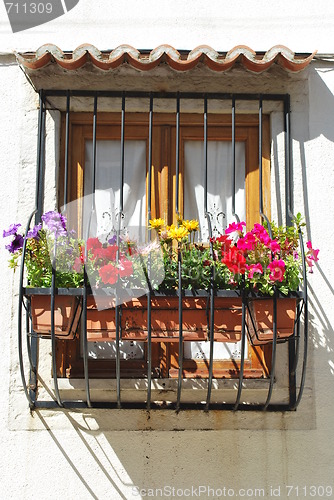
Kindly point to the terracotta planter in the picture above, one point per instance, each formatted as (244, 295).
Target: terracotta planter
(260, 319)
(67, 315)
(165, 319)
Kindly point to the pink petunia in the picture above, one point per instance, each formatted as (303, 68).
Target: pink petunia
(275, 246)
(262, 234)
(235, 226)
(311, 256)
(277, 270)
(254, 268)
(248, 242)
(312, 252)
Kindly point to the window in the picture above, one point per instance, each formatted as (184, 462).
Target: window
(234, 125)
(165, 364)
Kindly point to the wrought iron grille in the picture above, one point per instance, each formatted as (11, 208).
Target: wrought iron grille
(297, 344)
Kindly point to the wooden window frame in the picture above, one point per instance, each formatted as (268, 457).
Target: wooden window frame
(165, 355)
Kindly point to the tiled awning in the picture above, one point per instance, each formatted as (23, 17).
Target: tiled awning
(145, 60)
(163, 69)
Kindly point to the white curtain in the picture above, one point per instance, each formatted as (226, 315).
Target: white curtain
(220, 178)
(108, 188)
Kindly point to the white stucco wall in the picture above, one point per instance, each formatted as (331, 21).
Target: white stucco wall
(83, 453)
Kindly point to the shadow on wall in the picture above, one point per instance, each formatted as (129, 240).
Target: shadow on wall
(321, 111)
(120, 461)
(310, 120)
(116, 464)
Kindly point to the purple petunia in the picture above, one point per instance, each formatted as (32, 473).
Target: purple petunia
(11, 230)
(33, 233)
(55, 222)
(16, 244)
(112, 240)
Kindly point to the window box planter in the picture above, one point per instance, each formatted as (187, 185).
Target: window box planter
(260, 319)
(101, 324)
(67, 312)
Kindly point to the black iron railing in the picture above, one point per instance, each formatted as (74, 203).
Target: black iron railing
(30, 383)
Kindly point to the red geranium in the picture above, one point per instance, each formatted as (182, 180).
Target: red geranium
(93, 243)
(235, 260)
(106, 253)
(108, 274)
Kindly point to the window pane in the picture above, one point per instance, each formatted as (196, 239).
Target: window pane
(107, 194)
(220, 178)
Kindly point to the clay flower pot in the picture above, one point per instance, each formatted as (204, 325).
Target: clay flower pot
(67, 315)
(260, 319)
(101, 325)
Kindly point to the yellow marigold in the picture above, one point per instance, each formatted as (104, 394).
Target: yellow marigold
(177, 233)
(156, 223)
(191, 225)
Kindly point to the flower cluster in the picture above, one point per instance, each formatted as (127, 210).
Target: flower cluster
(179, 232)
(258, 260)
(107, 263)
(262, 262)
(177, 240)
(255, 259)
(48, 245)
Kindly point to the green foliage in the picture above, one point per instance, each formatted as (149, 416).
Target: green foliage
(42, 253)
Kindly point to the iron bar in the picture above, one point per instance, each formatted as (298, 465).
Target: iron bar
(205, 119)
(177, 159)
(119, 222)
(167, 95)
(288, 170)
(211, 291)
(211, 329)
(293, 349)
(38, 210)
(40, 159)
(233, 160)
(28, 314)
(84, 335)
(121, 201)
(67, 137)
(180, 373)
(53, 335)
(273, 355)
(155, 406)
(243, 345)
(305, 305)
(262, 214)
(179, 258)
(297, 340)
(31, 395)
(94, 151)
(86, 283)
(149, 293)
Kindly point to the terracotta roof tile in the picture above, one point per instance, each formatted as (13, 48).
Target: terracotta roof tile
(179, 61)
